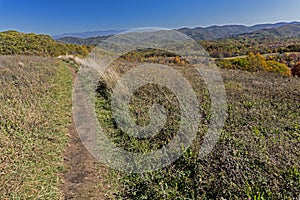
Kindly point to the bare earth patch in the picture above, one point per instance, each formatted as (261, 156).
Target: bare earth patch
(85, 177)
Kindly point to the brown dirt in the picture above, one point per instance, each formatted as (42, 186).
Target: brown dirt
(85, 178)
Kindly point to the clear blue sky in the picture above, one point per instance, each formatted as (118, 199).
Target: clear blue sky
(60, 16)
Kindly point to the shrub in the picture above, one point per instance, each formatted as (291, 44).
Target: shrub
(279, 68)
(296, 70)
(254, 63)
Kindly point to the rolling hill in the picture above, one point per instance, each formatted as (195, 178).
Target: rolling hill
(82, 41)
(14, 42)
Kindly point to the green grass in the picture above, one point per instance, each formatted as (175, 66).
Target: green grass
(35, 110)
(257, 156)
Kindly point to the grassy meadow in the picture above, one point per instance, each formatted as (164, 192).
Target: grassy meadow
(35, 111)
(256, 157)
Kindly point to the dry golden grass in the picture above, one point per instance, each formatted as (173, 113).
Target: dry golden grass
(257, 156)
(35, 109)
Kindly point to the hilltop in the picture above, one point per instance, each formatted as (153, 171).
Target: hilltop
(14, 42)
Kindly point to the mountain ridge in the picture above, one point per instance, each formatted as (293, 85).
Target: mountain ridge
(199, 33)
(88, 34)
(212, 33)
(288, 30)
(217, 32)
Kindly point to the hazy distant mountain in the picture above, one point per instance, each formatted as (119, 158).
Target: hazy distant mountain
(82, 41)
(217, 32)
(285, 31)
(277, 30)
(88, 34)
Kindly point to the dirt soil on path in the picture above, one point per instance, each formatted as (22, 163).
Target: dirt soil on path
(85, 178)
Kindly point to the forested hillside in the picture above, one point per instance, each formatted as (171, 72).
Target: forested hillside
(13, 42)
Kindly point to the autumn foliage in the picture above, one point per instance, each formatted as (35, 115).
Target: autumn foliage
(296, 70)
(254, 63)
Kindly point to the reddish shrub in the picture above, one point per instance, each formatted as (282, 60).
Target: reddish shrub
(296, 70)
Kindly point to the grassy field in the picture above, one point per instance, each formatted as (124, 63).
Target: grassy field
(35, 110)
(257, 156)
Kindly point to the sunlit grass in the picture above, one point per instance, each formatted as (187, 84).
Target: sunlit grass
(257, 156)
(35, 110)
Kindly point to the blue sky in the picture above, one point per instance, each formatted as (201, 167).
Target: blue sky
(60, 16)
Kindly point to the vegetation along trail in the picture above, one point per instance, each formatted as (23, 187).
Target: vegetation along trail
(38, 139)
(42, 157)
(84, 178)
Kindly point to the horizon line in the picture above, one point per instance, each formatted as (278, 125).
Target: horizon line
(173, 28)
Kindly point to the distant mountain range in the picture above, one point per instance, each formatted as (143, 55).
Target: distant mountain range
(88, 34)
(285, 31)
(218, 32)
(277, 30)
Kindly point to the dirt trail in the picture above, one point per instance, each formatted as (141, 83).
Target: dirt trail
(85, 177)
